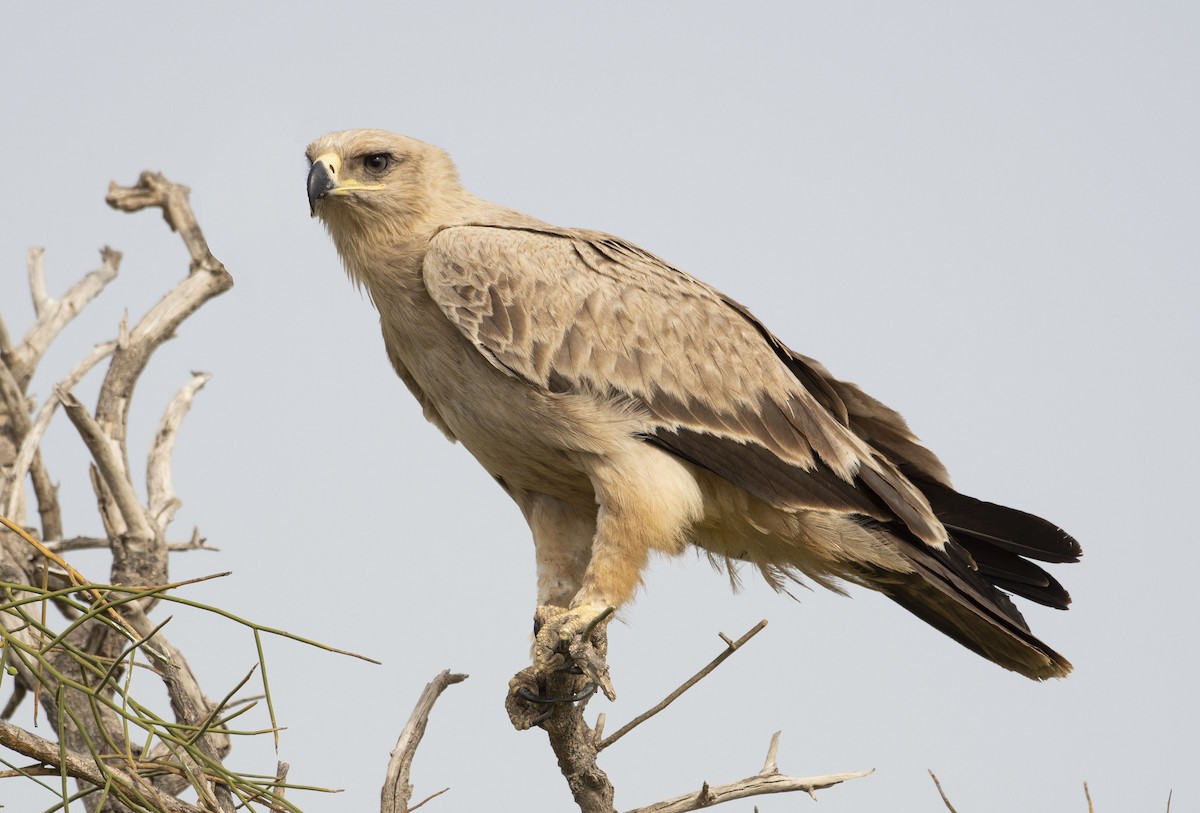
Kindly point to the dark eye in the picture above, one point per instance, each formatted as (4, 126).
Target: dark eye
(377, 162)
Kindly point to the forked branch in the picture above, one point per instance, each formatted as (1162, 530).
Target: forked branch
(768, 780)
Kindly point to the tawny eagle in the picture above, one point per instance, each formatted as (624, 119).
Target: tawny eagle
(627, 407)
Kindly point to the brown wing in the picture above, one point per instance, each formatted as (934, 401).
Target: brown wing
(582, 311)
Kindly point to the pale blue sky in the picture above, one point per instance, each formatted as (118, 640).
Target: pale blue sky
(986, 215)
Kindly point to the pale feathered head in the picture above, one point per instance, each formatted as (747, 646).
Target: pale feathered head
(379, 194)
(363, 177)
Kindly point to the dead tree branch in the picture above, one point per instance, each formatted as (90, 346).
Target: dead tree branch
(71, 678)
(10, 490)
(160, 491)
(768, 780)
(85, 768)
(141, 557)
(731, 647)
(576, 745)
(55, 314)
(946, 799)
(396, 788)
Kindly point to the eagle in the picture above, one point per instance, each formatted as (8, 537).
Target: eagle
(627, 407)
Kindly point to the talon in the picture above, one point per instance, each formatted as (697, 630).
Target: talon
(529, 696)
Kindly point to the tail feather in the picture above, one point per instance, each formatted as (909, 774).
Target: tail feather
(962, 591)
(944, 591)
(996, 525)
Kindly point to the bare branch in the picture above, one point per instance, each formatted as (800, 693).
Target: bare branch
(13, 408)
(1088, 795)
(281, 773)
(86, 769)
(396, 788)
(766, 781)
(206, 279)
(29, 445)
(433, 796)
(46, 493)
(54, 315)
(12, 400)
(161, 492)
(770, 764)
(108, 462)
(950, 807)
(37, 281)
(197, 542)
(731, 647)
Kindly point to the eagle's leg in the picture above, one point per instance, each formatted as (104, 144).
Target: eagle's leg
(562, 534)
(647, 500)
(562, 539)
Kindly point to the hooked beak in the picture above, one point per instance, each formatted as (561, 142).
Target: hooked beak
(321, 181)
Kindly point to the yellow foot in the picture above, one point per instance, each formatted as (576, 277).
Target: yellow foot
(569, 652)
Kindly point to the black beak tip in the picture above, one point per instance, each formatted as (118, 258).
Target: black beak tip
(320, 182)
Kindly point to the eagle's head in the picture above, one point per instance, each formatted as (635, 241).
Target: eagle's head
(362, 177)
(380, 195)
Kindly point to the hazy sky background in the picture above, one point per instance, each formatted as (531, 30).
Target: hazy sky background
(986, 215)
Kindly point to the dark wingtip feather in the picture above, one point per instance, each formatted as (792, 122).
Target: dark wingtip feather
(1008, 528)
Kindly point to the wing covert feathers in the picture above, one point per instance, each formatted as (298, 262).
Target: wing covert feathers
(586, 312)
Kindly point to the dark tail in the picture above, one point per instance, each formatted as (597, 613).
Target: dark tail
(963, 590)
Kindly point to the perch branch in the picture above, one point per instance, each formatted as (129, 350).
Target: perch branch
(396, 788)
(731, 647)
(766, 781)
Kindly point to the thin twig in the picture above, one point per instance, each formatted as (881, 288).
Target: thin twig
(1087, 794)
(950, 807)
(396, 788)
(428, 798)
(163, 503)
(770, 764)
(37, 281)
(766, 781)
(731, 647)
(281, 772)
(54, 315)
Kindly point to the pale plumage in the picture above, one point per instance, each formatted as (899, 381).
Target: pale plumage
(627, 407)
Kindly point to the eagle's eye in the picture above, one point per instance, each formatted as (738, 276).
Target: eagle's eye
(377, 162)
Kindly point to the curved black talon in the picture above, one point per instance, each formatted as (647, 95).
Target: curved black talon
(529, 696)
(541, 718)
